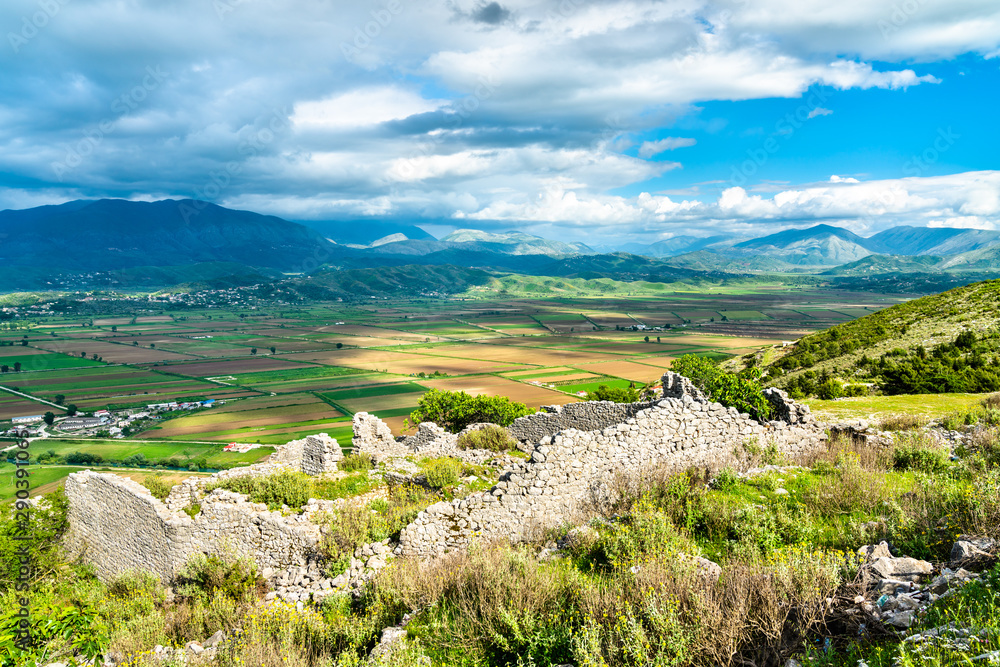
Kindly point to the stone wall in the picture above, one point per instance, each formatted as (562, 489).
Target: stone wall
(372, 436)
(320, 454)
(118, 525)
(569, 468)
(588, 416)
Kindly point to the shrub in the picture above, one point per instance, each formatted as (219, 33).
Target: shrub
(442, 472)
(491, 437)
(282, 488)
(829, 390)
(83, 459)
(725, 480)
(919, 454)
(157, 486)
(742, 392)
(356, 461)
(454, 410)
(205, 575)
(614, 394)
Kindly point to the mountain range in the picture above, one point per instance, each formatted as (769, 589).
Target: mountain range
(145, 242)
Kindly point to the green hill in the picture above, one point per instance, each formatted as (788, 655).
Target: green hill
(921, 346)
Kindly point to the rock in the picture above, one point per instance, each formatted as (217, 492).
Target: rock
(991, 657)
(214, 640)
(906, 569)
(791, 662)
(872, 551)
(894, 586)
(963, 550)
(194, 647)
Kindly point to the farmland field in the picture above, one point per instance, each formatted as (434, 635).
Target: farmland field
(391, 352)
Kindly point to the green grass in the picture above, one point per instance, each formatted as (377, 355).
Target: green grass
(39, 475)
(117, 450)
(262, 377)
(592, 386)
(928, 405)
(43, 361)
(374, 391)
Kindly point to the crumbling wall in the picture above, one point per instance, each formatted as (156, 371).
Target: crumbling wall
(588, 416)
(372, 436)
(320, 454)
(119, 526)
(571, 467)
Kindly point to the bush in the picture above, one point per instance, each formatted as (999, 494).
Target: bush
(614, 394)
(205, 575)
(354, 462)
(454, 410)
(283, 488)
(83, 459)
(920, 455)
(491, 437)
(829, 390)
(157, 486)
(742, 392)
(442, 472)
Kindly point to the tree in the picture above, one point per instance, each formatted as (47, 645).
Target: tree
(114, 328)
(152, 346)
(340, 345)
(273, 349)
(454, 410)
(4, 368)
(24, 343)
(17, 366)
(71, 409)
(613, 394)
(742, 391)
(135, 343)
(59, 399)
(647, 339)
(253, 350)
(83, 355)
(94, 356)
(49, 418)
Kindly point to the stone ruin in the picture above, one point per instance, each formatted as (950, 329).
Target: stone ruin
(574, 451)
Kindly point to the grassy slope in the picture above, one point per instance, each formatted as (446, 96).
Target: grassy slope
(927, 321)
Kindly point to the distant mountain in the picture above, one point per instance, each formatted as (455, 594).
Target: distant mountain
(406, 280)
(731, 261)
(882, 264)
(114, 234)
(679, 245)
(822, 245)
(516, 243)
(364, 232)
(907, 240)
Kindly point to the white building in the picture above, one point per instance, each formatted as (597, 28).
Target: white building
(31, 419)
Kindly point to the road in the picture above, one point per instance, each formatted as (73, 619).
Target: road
(33, 398)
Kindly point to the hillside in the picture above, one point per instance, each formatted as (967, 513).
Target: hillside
(113, 234)
(851, 351)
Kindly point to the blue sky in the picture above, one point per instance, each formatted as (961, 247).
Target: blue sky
(599, 120)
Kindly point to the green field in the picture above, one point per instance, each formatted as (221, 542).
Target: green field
(46, 362)
(117, 450)
(931, 406)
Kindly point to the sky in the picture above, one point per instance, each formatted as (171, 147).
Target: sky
(593, 120)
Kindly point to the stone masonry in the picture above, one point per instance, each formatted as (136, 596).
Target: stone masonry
(570, 466)
(118, 525)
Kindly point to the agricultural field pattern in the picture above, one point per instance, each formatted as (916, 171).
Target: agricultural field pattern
(282, 375)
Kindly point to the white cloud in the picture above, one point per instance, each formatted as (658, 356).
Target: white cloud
(361, 108)
(819, 111)
(842, 179)
(650, 148)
